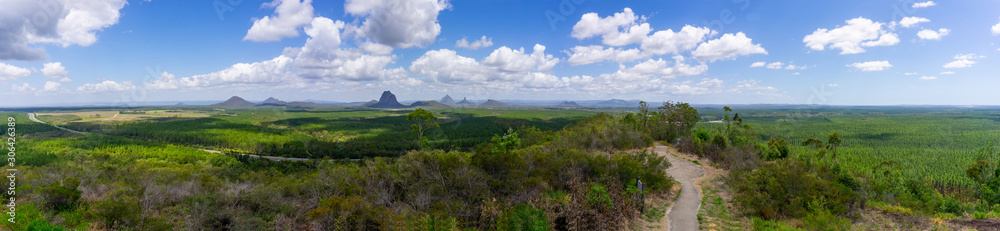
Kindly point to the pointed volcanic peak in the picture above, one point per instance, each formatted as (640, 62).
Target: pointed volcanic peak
(568, 104)
(388, 100)
(465, 101)
(234, 102)
(493, 104)
(447, 100)
(429, 104)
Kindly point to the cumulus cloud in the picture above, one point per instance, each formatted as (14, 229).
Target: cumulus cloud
(52, 86)
(54, 70)
(778, 66)
(669, 42)
(476, 44)
(910, 73)
(758, 64)
(908, 22)
(617, 30)
(503, 64)
(924, 4)
(23, 88)
(948, 73)
(106, 86)
(833, 85)
(933, 35)
(729, 46)
(24, 23)
(996, 29)
(11, 72)
(508, 60)
(871, 66)
(65, 80)
(928, 77)
(288, 16)
(859, 32)
(398, 23)
(580, 55)
(963, 61)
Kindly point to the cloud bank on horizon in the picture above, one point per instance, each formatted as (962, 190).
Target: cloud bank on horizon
(423, 49)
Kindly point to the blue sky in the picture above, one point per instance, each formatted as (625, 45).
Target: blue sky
(61, 52)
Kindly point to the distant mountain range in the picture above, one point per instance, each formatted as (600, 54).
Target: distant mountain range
(389, 100)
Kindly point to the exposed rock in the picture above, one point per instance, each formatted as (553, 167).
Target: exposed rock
(447, 100)
(388, 100)
(465, 102)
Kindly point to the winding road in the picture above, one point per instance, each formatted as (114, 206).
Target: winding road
(684, 213)
(31, 116)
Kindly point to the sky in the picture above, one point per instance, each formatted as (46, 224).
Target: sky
(134, 53)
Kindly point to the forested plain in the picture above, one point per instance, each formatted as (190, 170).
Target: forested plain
(814, 168)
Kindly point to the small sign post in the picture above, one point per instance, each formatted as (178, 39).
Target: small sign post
(642, 197)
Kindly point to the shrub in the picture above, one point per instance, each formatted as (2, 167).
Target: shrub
(523, 217)
(62, 197)
(787, 187)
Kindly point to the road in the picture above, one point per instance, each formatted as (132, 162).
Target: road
(31, 116)
(684, 213)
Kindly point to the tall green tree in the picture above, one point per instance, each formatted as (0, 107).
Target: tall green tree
(425, 120)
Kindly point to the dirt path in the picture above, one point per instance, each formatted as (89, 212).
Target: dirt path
(683, 214)
(32, 117)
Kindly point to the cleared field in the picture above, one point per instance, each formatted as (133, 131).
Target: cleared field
(65, 117)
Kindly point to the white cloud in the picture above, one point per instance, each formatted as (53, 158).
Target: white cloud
(850, 38)
(508, 60)
(933, 35)
(669, 42)
(659, 68)
(928, 77)
(581, 55)
(23, 88)
(729, 46)
(996, 29)
(757, 64)
(963, 61)
(482, 42)
(833, 85)
(609, 28)
(752, 86)
(948, 73)
(398, 23)
(775, 65)
(908, 22)
(910, 73)
(107, 86)
(871, 66)
(54, 70)
(65, 80)
(65, 23)
(11, 72)
(924, 4)
(52, 86)
(288, 16)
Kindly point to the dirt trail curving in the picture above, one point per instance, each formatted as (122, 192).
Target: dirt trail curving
(683, 214)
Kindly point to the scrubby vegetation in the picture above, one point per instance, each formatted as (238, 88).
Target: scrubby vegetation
(581, 177)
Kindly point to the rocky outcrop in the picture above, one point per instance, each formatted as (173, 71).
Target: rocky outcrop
(388, 100)
(447, 100)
